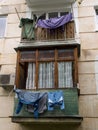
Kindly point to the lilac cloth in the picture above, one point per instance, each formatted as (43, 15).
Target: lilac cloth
(54, 22)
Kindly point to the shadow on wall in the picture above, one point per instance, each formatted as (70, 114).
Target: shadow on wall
(50, 127)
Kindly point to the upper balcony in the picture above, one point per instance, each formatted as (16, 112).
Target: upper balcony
(42, 34)
(65, 33)
(47, 29)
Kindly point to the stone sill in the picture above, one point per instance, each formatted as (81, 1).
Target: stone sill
(7, 86)
(48, 120)
(35, 44)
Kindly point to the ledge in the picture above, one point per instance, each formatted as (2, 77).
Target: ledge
(42, 3)
(7, 86)
(26, 45)
(69, 41)
(48, 120)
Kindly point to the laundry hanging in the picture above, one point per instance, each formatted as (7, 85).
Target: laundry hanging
(56, 22)
(55, 98)
(30, 98)
(28, 26)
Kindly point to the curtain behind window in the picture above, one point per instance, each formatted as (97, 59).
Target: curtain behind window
(65, 74)
(46, 75)
(30, 76)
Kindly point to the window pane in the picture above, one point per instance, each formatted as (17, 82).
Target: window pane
(65, 74)
(96, 15)
(63, 13)
(30, 76)
(28, 55)
(42, 17)
(2, 26)
(53, 14)
(96, 11)
(46, 54)
(65, 54)
(46, 75)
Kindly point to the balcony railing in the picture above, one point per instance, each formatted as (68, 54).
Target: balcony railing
(62, 33)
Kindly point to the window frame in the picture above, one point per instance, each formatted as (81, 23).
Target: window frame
(58, 13)
(46, 12)
(96, 18)
(22, 65)
(5, 25)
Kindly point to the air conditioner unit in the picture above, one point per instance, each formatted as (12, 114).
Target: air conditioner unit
(7, 80)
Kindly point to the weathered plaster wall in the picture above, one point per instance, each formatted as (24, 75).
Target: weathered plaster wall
(8, 57)
(88, 99)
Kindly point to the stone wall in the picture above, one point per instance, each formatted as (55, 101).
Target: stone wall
(88, 99)
(8, 58)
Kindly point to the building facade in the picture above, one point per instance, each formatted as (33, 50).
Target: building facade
(60, 52)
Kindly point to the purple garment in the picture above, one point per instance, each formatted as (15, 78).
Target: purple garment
(54, 22)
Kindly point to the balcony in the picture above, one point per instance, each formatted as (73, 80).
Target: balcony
(69, 115)
(31, 3)
(67, 32)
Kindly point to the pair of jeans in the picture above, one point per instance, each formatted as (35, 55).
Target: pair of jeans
(55, 98)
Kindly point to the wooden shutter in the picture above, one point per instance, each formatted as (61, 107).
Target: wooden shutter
(70, 30)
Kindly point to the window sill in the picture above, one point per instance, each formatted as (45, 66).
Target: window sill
(7, 86)
(96, 30)
(52, 120)
(2, 37)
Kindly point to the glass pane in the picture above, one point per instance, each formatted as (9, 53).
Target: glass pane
(30, 76)
(28, 55)
(96, 11)
(53, 14)
(42, 17)
(63, 53)
(63, 13)
(46, 75)
(97, 18)
(65, 74)
(2, 26)
(46, 54)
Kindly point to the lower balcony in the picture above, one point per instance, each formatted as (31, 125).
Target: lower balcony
(69, 115)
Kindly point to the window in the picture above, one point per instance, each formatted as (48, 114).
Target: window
(55, 14)
(2, 26)
(97, 15)
(63, 13)
(48, 68)
(52, 15)
(96, 18)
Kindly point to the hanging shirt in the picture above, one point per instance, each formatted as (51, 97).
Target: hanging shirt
(28, 27)
(29, 98)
